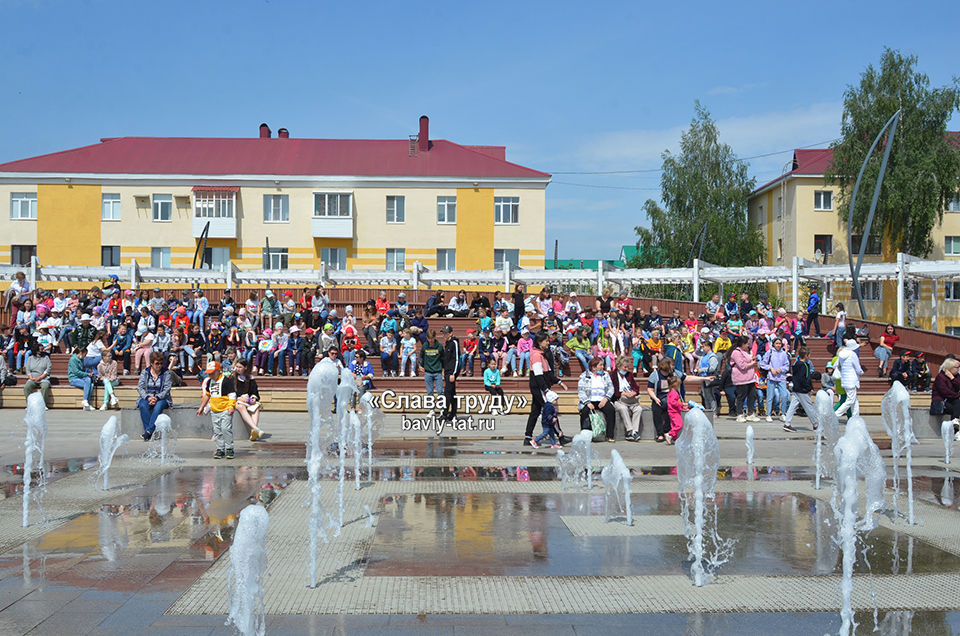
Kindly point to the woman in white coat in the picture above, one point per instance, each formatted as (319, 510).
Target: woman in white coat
(850, 371)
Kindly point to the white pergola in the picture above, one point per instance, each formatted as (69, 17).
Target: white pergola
(801, 271)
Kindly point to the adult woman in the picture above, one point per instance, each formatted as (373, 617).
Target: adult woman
(542, 378)
(248, 398)
(658, 389)
(888, 339)
(94, 351)
(594, 392)
(777, 364)
(603, 302)
(153, 388)
(850, 372)
(625, 402)
(744, 376)
(946, 391)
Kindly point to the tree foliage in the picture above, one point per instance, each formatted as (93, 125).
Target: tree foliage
(703, 183)
(923, 171)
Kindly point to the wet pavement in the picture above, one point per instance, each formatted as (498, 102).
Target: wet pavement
(120, 566)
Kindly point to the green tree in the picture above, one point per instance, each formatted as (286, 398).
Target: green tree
(703, 183)
(923, 171)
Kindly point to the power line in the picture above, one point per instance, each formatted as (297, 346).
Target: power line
(649, 170)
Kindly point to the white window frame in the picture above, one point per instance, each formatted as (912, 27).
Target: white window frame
(820, 194)
(951, 245)
(21, 200)
(216, 252)
(158, 202)
(276, 208)
(14, 249)
(334, 257)
(398, 262)
(512, 205)
(160, 257)
(110, 207)
(953, 295)
(953, 205)
(446, 210)
(279, 258)
(867, 287)
(825, 253)
(396, 209)
(326, 198)
(498, 264)
(953, 331)
(447, 255)
(214, 204)
(111, 248)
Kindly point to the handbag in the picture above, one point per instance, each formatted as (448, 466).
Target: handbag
(598, 424)
(936, 408)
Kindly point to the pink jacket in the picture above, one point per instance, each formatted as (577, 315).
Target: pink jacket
(741, 370)
(525, 345)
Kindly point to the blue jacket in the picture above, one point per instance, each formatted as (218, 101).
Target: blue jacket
(813, 305)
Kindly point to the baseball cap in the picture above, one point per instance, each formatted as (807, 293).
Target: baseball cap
(446, 329)
(213, 366)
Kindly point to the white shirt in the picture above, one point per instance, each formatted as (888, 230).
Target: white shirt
(598, 389)
(94, 348)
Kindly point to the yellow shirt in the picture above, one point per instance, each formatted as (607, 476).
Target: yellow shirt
(222, 393)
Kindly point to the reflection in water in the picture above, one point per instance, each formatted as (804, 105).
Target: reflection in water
(522, 534)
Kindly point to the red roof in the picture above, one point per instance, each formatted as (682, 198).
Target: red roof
(273, 156)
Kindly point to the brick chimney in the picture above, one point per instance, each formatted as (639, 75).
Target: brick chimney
(264, 131)
(283, 133)
(423, 139)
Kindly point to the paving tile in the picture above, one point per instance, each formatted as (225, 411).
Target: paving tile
(194, 620)
(72, 623)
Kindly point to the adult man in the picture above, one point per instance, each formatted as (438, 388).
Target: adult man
(802, 375)
(153, 388)
(432, 361)
(221, 394)
(38, 368)
(451, 369)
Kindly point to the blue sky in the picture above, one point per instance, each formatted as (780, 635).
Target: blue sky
(567, 87)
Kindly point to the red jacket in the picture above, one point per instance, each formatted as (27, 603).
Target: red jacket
(616, 384)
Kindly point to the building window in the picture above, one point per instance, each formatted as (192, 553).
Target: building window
(162, 207)
(396, 260)
(276, 208)
(780, 249)
(277, 258)
(779, 208)
(871, 290)
(23, 205)
(110, 255)
(874, 247)
(823, 200)
(953, 331)
(216, 258)
(22, 254)
(214, 205)
(110, 204)
(506, 210)
(446, 260)
(823, 243)
(334, 257)
(446, 209)
(394, 209)
(510, 256)
(951, 246)
(160, 257)
(953, 205)
(332, 204)
(951, 290)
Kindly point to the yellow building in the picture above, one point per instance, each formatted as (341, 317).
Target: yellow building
(353, 204)
(797, 216)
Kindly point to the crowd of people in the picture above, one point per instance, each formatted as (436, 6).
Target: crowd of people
(751, 355)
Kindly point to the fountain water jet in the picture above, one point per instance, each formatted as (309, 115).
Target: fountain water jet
(698, 456)
(36, 421)
(856, 457)
(616, 481)
(828, 429)
(248, 566)
(321, 388)
(749, 440)
(372, 421)
(895, 408)
(109, 443)
(345, 392)
(576, 464)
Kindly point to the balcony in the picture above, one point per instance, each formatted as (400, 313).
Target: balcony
(220, 227)
(332, 226)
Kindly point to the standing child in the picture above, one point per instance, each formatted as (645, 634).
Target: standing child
(107, 370)
(408, 351)
(220, 394)
(550, 421)
(675, 409)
